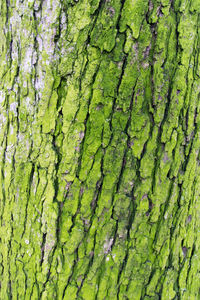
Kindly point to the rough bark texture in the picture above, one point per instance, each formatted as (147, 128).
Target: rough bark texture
(99, 149)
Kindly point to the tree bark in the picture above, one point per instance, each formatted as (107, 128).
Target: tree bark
(99, 149)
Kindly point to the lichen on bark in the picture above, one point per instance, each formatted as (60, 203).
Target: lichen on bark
(99, 149)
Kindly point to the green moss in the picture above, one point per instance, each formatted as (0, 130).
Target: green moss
(132, 15)
(99, 150)
(104, 32)
(168, 291)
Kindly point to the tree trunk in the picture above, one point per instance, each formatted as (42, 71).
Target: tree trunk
(99, 149)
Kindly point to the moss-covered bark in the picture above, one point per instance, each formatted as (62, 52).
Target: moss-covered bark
(99, 149)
